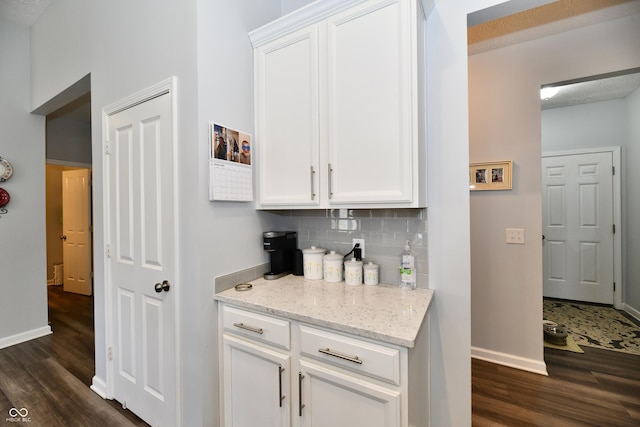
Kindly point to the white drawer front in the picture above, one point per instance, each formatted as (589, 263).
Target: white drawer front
(370, 359)
(257, 326)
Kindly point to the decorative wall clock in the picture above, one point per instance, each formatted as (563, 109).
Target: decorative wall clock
(5, 170)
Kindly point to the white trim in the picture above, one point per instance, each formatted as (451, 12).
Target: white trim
(509, 360)
(631, 311)
(66, 163)
(167, 86)
(298, 19)
(99, 387)
(617, 212)
(24, 336)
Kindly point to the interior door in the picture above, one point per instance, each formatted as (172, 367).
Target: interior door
(578, 223)
(141, 263)
(76, 229)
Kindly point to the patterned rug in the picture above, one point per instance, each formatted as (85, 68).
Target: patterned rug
(594, 325)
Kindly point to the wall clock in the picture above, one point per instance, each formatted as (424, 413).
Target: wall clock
(5, 170)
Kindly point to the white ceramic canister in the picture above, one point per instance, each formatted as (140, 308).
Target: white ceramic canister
(332, 263)
(312, 261)
(370, 273)
(353, 272)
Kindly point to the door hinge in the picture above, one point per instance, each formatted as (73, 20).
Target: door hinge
(107, 251)
(613, 170)
(107, 147)
(110, 353)
(614, 286)
(614, 229)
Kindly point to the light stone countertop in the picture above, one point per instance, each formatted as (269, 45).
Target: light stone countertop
(383, 312)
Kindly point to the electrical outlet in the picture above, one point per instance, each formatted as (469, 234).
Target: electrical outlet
(361, 241)
(515, 236)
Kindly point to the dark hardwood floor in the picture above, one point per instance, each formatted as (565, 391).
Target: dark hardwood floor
(50, 376)
(598, 388)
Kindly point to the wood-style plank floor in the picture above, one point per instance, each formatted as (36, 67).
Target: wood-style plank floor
(50, 376)
(598, 388)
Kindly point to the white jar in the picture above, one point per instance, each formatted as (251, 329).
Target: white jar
(332, 263)
(370, 274)
(312, 260)
(353, 272)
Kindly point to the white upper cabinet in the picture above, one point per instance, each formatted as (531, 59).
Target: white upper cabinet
(340, 116)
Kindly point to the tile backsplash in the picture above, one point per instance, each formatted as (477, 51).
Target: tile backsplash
(384, 231)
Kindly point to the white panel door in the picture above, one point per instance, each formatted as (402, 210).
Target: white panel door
(76, 229)
(370, 142)
(256, 385)
(578, 227)
(330, 398)
(287, 84)
(141, 259)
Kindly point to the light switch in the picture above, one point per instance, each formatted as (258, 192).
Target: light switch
(515, 236)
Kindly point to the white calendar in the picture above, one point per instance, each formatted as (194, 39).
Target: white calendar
(230, 169)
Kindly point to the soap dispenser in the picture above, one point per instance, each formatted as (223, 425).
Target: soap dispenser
(408, 268)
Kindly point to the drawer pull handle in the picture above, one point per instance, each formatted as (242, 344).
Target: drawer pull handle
(300, 404)
(280, 397)
(313, 193)
(249, 328)
(354, 359)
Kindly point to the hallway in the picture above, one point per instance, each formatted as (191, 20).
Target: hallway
(48, 378)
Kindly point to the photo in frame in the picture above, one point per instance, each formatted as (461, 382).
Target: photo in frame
(490, 176)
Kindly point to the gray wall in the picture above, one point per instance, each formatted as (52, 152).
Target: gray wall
(23, 291)
(631, 160)
(505, 121)
(69, 140)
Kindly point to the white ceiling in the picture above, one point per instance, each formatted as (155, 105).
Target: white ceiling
(23, 12)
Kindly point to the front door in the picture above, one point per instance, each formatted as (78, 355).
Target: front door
(577, 206)
(76, 231)
(140, 259)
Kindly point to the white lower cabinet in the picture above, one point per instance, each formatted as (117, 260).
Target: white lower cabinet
(331, 398)
(280, 372)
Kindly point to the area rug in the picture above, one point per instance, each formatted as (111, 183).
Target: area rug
(595, 325)
(571, 346)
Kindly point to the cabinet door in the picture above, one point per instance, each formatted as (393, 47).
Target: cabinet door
(369, 98)
(255, 385)
(332, 398)
(287, 135)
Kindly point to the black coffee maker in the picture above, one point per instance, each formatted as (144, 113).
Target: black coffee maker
(281, 246)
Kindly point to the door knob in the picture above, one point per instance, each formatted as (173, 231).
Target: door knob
(63, 237)
(164, 286)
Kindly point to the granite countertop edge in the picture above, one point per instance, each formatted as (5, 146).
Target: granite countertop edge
(404, 339)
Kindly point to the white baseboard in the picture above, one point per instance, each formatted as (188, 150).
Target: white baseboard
(99, 387)
(24, 336)
(510, 360)
(630, 310)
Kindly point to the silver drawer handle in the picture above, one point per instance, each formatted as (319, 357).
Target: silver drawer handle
(249, 328)
(354, 359)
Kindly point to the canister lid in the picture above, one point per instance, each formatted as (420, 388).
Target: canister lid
(333, 256)
(353, 263)
(313, 250)
(370, 266)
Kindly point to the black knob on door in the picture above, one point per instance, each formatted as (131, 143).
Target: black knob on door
(63, 237)
(164, 286)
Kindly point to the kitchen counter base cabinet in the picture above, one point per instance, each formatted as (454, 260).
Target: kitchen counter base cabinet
(340, 106)
(320, 378)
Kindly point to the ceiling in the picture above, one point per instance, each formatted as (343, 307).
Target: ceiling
(551, 18)
(23, 12)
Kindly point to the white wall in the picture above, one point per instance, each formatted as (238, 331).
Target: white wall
(505, 124)
(631, 174)
(594, 125)
(23, 298)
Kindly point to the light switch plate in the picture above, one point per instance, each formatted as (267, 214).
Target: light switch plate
(515, 236)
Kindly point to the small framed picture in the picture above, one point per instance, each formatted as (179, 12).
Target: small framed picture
(490, 176)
